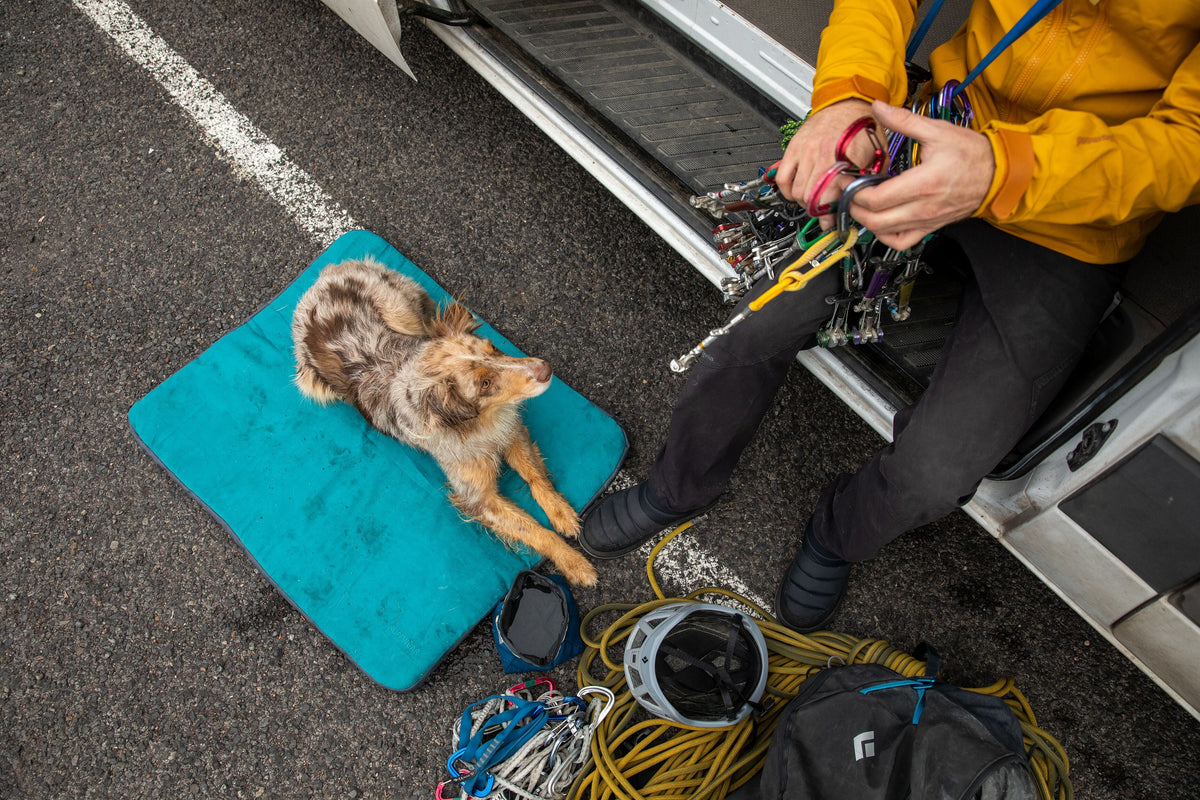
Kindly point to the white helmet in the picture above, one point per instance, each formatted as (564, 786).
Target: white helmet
(697, 664)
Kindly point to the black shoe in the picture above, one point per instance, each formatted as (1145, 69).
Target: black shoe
(622, 521)
(812, 587)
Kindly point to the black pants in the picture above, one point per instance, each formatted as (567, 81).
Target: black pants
(1022, 324)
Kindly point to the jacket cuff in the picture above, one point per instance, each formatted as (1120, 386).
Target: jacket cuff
(1013, 151)
(846, 88)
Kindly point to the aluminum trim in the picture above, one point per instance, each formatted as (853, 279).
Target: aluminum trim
(745, 49)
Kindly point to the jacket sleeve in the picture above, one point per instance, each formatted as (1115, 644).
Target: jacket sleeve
(862, 52)
(1069, 167)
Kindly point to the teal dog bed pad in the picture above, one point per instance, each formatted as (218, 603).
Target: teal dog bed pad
(354, 528)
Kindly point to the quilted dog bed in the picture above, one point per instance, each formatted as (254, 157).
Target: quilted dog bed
(355, 529)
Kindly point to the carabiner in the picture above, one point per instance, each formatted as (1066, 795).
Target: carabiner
(844, 165)
(858, 126)
(529, 686)
(457, 780)
(805, 237)
(856, 186)
(604, 692)
(814, 206)
(533, 684)
(438, 793)
(457, 773)
(463, 777)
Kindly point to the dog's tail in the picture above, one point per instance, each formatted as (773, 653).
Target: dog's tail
(320, 373)
(398, 300)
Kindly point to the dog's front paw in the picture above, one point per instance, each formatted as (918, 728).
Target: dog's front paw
(563, 518)
(577, 570)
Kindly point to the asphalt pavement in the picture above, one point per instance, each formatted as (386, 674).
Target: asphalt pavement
(141, 653)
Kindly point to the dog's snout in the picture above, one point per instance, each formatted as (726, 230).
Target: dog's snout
(540, 370)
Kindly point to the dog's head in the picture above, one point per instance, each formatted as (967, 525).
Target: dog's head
(468, 377)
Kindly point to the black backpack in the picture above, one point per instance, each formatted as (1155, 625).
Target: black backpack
(865, 732)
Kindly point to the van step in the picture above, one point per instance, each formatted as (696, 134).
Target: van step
(645, 86)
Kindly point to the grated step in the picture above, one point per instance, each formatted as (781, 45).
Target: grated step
(693, 126)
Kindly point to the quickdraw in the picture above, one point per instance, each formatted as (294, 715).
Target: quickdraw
(515, 746)
(824, 253)
(761, 232)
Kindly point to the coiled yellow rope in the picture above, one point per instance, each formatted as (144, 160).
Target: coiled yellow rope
(635, 758)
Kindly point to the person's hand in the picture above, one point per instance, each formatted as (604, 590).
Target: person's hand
(948, 185)
(812, 151)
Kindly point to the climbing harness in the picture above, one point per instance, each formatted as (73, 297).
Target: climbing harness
(516, 746)
(637, 757)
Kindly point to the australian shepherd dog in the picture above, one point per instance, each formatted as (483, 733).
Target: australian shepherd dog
(369, 336)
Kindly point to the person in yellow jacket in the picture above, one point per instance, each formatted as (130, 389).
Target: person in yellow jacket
(1086, 130)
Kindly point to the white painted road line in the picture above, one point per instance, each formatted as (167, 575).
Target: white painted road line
(252, 154)
(256, 157)
(687, 565)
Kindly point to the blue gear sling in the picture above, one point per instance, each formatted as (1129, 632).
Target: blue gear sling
(496, 739)
(1030, 18)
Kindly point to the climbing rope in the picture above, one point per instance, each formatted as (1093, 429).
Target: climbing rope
(638, 758)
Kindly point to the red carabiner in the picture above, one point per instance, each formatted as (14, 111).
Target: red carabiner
(815, 207)
(439, 795)
(858, 126)
(844, 165)
(528, 686)
(533, 684)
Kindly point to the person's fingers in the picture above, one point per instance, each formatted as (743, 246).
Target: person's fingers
(903, 121)
(811, 150)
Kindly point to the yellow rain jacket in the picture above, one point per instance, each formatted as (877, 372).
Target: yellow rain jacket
(1093, 114)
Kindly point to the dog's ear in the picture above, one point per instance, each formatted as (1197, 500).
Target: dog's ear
(454, 319)
(445, 403)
